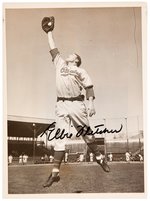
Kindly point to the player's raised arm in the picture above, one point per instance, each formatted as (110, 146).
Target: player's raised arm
(51, 40)
(48, 26)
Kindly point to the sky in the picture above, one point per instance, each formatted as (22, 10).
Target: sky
(109, 43)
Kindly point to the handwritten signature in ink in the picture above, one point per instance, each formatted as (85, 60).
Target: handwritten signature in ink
(81, 131)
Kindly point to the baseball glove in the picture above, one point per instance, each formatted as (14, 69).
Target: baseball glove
(48, 24)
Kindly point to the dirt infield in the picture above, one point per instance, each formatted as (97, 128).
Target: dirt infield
(77, 178)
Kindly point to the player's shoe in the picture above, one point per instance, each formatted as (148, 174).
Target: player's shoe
(51, 180)
(103, 163)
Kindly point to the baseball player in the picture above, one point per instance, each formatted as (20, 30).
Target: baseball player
(127, 155)
(66, 157)
(110, 156)
(141, 157)
(91, 157)
(10, 159)
(21, 159)
(25, 159)
(70, 106)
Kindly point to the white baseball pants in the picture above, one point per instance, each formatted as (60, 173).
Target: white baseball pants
(67, 112)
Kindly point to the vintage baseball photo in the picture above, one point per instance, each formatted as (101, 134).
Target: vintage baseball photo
(74, 92)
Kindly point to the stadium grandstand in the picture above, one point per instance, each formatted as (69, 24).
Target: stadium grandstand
(24, 137)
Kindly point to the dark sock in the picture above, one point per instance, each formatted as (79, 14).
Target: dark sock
(94, 148)
(58, 157)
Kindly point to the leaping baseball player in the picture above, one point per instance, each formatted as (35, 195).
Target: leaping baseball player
(70, 106)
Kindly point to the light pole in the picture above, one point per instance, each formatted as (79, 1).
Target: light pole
(105, 146)
(34, 136)
(46, 139)
(139, 134)
(126, 121)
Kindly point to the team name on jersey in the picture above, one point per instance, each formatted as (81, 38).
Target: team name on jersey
(65, 71)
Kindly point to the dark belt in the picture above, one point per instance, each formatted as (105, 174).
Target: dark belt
(78, 98)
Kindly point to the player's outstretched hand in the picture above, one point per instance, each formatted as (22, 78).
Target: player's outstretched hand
(48, 24)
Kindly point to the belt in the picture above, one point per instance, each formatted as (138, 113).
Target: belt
(78, 98)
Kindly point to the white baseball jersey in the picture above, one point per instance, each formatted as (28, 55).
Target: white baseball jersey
(70, 80)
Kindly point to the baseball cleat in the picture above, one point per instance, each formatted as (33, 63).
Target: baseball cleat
(104, 165)
(51, 180)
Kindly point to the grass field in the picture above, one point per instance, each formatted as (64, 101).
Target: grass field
(77, 178)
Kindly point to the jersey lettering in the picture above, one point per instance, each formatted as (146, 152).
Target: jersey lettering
(70, 80)
(65, 71)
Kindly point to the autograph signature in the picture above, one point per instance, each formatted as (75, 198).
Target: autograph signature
(82, 131)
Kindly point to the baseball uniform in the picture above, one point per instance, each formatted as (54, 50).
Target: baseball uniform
(70, 107)
(69, 84)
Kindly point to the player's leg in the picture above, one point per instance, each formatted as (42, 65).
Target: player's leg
(79, 116)
(62, 122)
(54, 176)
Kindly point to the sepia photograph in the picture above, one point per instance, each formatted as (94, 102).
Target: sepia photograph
(74, 93)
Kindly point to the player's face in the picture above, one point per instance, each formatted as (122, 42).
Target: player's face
(71, 58)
